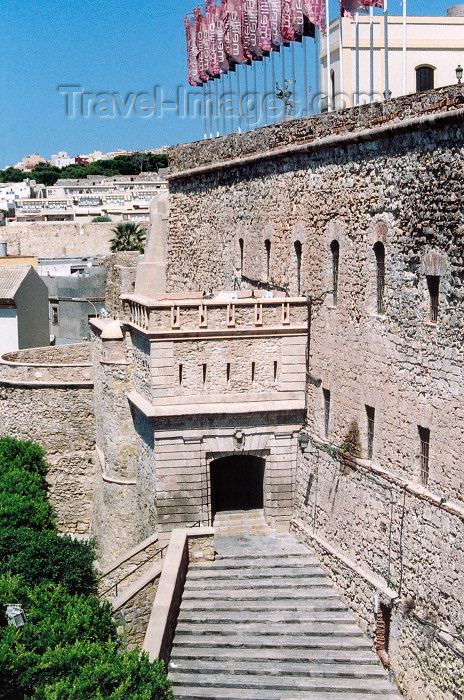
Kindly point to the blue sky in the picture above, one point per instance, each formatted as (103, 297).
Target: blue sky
(104, 46)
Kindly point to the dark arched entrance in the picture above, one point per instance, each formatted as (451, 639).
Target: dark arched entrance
(237, 483)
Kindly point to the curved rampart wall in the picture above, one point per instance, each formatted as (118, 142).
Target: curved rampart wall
(46, 395)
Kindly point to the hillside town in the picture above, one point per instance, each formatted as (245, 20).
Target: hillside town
(232, 376)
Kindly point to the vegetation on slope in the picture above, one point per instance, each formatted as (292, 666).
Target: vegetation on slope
(68, 649)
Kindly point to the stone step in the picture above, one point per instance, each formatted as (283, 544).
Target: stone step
(265, 582)
(270, 629)
(224, 617)
(224, 574)
(261, 641)
(293, 561)
(259, 606)
(360, 657)
(247, 594)
(273, 668)
(199, 693)
(317, 685)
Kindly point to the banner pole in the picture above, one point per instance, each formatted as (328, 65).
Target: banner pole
(205, 136)
(264, 98)
(292, 51)
(239, 100)
(356, 97)
(405, 39)
(229, 76)
(371, 53)
(282, 55)
(218, 111)
(273, 79)
(318, 71)
(385, 30)
(342, 73)
(328, 62)
(305, 76)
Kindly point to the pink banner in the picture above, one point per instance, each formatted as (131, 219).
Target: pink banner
(202, 45)
(233, 35)
(298, 19)
(315, 12)
(264, 25)
(345, 13)
(276, 23)
(223, 61)
(212, 43)
(192, 52)
(250, 30)
(287, 30)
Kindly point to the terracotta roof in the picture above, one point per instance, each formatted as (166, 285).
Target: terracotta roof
(11, 278)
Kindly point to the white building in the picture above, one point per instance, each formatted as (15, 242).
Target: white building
(435, 47)
(61, 160)
(122, 198)
(23, 309)
(10, 192)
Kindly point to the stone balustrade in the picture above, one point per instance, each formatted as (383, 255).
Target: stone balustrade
(223, 313)
(67, 365)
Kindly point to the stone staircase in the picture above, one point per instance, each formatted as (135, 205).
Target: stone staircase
(264, 621)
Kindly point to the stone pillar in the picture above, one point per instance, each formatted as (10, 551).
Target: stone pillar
(151, 270)
(115, 492)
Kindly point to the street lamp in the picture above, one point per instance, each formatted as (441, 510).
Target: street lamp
(15, 616)
(459, 74)
(303, 440)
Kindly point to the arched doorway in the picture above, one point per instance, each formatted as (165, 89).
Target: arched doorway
(236, 483)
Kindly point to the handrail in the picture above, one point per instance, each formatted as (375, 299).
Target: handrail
(139, 566)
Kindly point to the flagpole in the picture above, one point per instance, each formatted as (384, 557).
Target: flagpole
(205, 119)
(218, 113)
(371, 53)
(356, 97)
(317, 51)
(385, 29)
(328, 62)
(273, 73)
(239, 99)
(210, 101)
(245, 68)
(342, 75)
(282, 54)
(305, 76)
(264, 99)
(404, 45)
(229, 75)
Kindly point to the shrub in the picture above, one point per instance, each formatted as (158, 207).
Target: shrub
(24, 455)
(46, 557)
(98, 219)
(23, 502)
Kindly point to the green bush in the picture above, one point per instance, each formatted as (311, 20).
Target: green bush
(68, 648)
(24, 455)
(23, 502)
(41, 557)
(101, 219)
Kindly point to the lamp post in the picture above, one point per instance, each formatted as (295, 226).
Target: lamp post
(303, 440)
(459, 74)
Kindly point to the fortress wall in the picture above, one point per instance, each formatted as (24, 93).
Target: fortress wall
(360, 178)
(51, 403)
(54, 240)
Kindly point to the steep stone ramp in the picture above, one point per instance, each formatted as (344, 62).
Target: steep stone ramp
(264, 621)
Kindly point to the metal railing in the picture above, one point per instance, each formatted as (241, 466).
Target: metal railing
(139, 566)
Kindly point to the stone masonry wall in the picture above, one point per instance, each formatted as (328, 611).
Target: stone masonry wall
(53, 405)
(55, 240)
(388, 175)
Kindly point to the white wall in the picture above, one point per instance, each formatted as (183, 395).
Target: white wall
(8, 330)
(433, 41)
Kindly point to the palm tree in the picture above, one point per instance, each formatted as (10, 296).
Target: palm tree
(128, 236)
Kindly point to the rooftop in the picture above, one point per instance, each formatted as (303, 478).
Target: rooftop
(11, 278)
